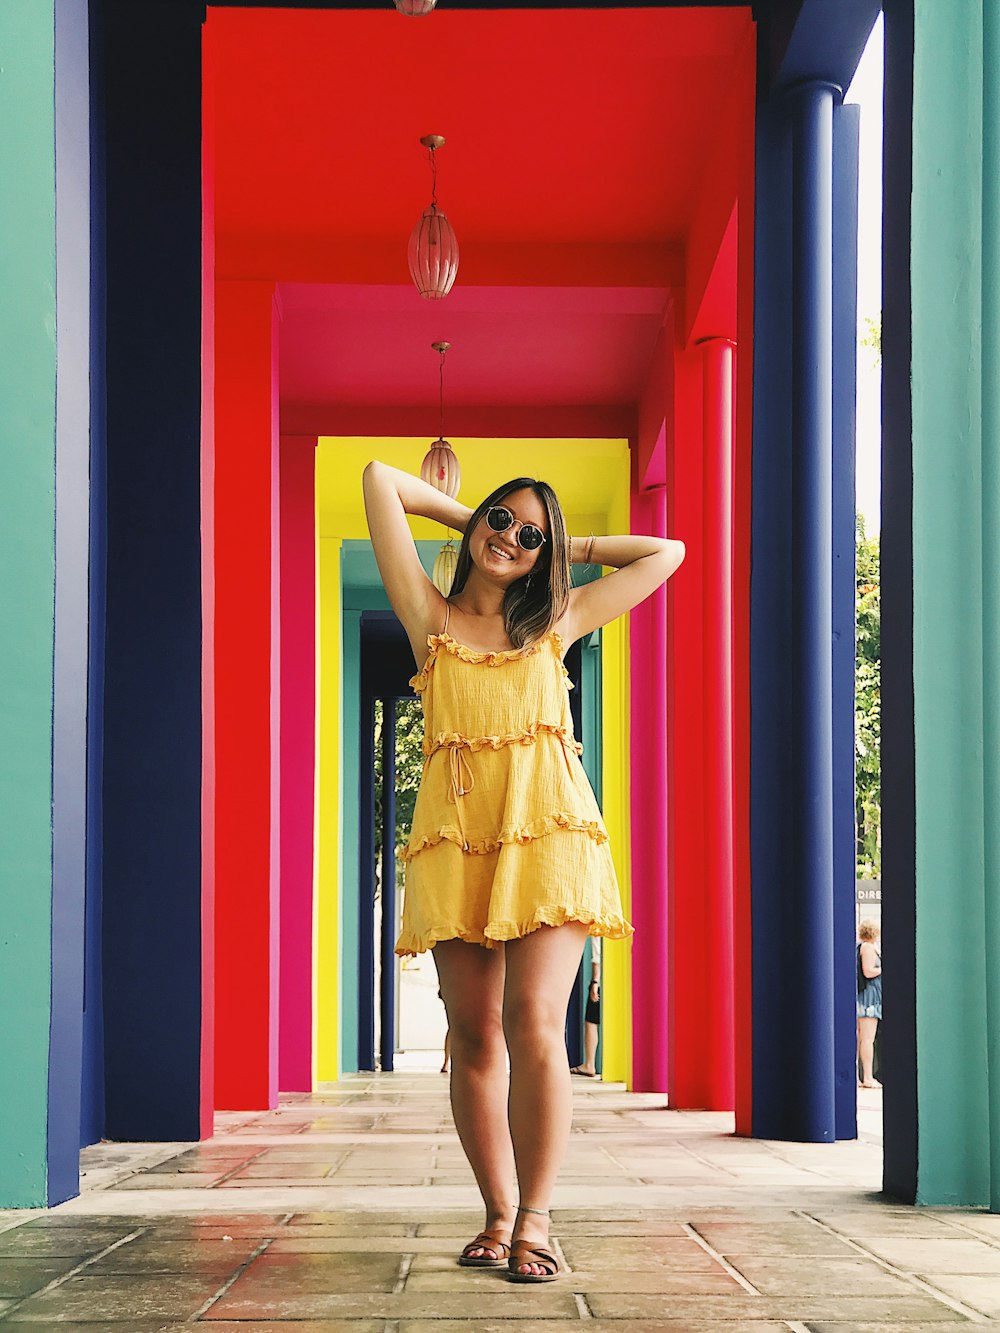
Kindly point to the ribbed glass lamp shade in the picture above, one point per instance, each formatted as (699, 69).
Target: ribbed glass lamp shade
(440, 468)
(443, 575)
(414, 7)
(433, 254)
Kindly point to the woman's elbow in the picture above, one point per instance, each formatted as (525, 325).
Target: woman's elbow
(675, 552)
(373, 474)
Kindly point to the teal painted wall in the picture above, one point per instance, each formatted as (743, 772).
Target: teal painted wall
(350, 923)
(991, 582)
(27, 558)
(956, 380)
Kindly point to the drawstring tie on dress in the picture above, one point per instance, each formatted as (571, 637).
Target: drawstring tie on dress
(463, 779)
(461, 774)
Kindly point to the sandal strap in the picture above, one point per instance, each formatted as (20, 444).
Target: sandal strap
(487, 1241)
(522, 1253)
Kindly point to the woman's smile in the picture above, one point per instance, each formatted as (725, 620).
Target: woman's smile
(499, 551)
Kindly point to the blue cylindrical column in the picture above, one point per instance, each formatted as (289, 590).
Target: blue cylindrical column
(812, 1110)
(387, 1040)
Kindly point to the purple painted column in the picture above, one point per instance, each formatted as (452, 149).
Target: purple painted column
(648, 671)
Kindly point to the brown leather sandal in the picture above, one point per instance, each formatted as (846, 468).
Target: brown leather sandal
(486, 1240)
(523, 1252)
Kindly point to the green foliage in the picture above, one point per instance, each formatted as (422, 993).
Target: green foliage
(873, 336)
(867, 708)
(409, 766)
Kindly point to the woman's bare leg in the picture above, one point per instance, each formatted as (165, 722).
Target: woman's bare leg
(866, 1050)
(541, 969)
(472, 981)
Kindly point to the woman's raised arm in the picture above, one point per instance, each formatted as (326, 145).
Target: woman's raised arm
(641, 565)
(391, 494)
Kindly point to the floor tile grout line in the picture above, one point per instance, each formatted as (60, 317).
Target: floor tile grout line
(230, 1281)
(969, 1311)
(405, 1264)
(705, 1161)
(968, 1232)
(226, 1175)
(74, 1272)
(724, 1263)
(583, 1308)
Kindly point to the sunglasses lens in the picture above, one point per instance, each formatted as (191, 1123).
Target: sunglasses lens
(531, 537)
(499, 519)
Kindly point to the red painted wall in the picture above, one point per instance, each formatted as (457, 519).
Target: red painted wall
(246, 960)
(742, 937)
(298, 746)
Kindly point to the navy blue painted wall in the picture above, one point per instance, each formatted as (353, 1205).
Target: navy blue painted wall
(846, 131)
(151, 929)
(899, 1044)
(92, 1116)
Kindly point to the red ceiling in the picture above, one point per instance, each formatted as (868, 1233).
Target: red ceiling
(577, 145)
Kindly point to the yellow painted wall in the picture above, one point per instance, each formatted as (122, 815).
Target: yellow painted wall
(591, 478)
(326, 897)
(616, 990)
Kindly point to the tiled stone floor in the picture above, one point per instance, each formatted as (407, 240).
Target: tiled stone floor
(345, 1212)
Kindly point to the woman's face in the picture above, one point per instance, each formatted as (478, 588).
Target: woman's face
(499, 555)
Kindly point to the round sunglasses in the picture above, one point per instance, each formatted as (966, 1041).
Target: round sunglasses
(529, 538)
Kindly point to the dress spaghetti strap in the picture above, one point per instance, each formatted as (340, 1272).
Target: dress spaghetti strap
(447, 616)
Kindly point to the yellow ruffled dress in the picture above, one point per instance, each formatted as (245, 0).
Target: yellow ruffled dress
(507, 835)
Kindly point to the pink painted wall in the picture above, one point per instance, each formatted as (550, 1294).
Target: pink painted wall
(208, 607)
(297, 691)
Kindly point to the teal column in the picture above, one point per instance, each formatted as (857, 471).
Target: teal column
(956, 379)
(27, 558)
(991, 574)
(350, 902)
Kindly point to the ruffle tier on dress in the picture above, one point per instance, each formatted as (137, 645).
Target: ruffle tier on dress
(507, 835)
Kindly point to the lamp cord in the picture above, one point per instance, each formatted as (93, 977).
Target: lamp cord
(441, 394)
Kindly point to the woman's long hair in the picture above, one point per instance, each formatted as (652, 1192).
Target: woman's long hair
(534, 603)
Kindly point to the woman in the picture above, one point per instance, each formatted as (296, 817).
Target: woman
(869, 998)
(508, 867)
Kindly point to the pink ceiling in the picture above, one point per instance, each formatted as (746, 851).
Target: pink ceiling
(520, 346)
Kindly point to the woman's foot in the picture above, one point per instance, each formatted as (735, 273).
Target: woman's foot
(584, 1071)
(499, 1226)
(531, 1229)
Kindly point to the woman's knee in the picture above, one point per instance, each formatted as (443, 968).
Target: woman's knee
(476, 1036)
(533, 1020)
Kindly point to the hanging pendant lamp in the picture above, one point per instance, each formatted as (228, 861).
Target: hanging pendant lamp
(441, 470)
(433, 248)
(414, 8)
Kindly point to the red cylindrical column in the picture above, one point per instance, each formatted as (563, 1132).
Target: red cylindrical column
(717, 718)
(649, 817)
